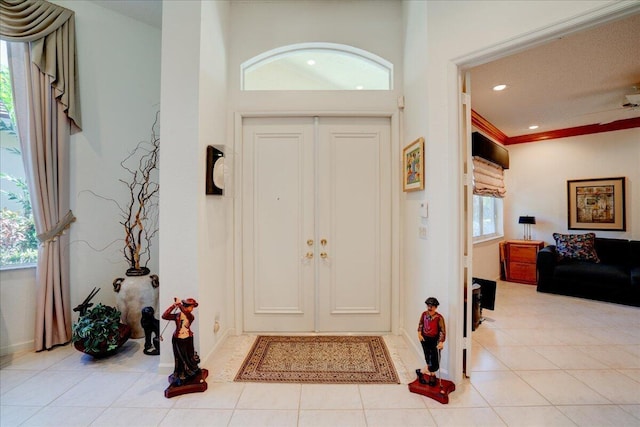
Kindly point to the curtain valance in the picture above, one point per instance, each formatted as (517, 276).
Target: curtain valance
(50, 31)
(488, 178)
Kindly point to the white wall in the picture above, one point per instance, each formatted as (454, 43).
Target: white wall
(195, 238)
(216, 213)
(17, 322)
(538, 174)
(119, 69)
(486, 259)
(417, 254)
(259, 26)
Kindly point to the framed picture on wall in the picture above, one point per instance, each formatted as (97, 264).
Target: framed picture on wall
(596, 204)
(413, 166)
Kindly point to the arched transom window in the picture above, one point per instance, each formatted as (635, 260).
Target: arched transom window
(317, 66)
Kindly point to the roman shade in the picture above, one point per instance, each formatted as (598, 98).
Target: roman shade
(488, 178)
(489, 161)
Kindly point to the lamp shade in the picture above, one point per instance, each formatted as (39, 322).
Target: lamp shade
(527, 220)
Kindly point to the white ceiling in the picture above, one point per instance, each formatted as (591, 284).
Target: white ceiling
(575, 80)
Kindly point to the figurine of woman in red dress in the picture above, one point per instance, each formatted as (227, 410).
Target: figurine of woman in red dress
(185, 358)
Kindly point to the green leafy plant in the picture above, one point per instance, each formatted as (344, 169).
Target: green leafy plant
(6, 101)
(18, 241)
(98, 329)
(21, 197)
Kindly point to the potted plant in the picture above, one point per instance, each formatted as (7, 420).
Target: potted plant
(99, 331)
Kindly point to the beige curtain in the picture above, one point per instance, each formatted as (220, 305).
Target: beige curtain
(43, 69)
(488, 178)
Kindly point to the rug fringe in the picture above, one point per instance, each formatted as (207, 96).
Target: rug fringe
(241, 346)
(392, 343)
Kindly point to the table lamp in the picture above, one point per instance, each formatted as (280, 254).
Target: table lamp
(526, 221)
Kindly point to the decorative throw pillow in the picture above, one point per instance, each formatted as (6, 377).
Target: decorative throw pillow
(579, 247)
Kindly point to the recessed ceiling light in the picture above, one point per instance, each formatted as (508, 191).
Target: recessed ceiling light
(359, 87)
(311, 62)
(532, 127)
(498, 88)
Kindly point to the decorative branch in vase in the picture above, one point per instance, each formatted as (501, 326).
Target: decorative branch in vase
(139, 218)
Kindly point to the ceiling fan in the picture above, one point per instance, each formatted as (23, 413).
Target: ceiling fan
(633, 101)
(629, 108)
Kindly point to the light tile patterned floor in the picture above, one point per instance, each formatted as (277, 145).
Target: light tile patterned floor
(538, 360)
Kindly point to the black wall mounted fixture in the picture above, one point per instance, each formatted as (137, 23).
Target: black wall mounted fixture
(481, 146)
(215, 171)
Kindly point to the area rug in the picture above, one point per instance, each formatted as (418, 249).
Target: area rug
(319, 360)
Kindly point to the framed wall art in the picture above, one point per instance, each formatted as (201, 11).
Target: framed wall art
(596, 204)
(413, 166)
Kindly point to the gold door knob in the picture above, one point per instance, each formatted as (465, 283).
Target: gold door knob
(323, 242)
(309, 255)
(310, 242)
(323, 255)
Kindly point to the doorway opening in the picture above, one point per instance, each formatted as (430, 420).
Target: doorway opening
(464, 67)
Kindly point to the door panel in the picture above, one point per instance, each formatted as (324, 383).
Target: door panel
(354, 216)
(278, 220)
(325, 181)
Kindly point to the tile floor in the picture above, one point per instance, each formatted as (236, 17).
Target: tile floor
(538, 360)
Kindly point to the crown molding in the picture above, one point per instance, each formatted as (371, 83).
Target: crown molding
(496, 134)
(574, 131)
(486, 127)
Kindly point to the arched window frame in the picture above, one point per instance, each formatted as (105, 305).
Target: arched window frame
(277, 53)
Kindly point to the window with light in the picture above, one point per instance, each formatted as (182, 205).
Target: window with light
(317, 66)
(18, 242)
(487, 218)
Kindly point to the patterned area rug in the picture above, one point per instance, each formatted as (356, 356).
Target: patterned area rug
(319, 360)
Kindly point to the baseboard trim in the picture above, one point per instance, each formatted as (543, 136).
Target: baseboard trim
(217, 345)
(414, 344)
(17, 348)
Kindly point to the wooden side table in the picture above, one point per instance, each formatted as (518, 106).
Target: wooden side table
(521, 260)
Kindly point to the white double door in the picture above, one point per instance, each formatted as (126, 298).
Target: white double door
(316, 201)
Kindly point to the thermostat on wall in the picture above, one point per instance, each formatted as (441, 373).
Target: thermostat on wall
(424, 209)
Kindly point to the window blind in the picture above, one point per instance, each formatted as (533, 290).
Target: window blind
(488, 178)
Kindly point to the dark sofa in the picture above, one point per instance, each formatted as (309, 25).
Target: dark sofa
(616, 278)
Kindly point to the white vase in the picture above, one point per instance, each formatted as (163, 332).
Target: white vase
(133, 293)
